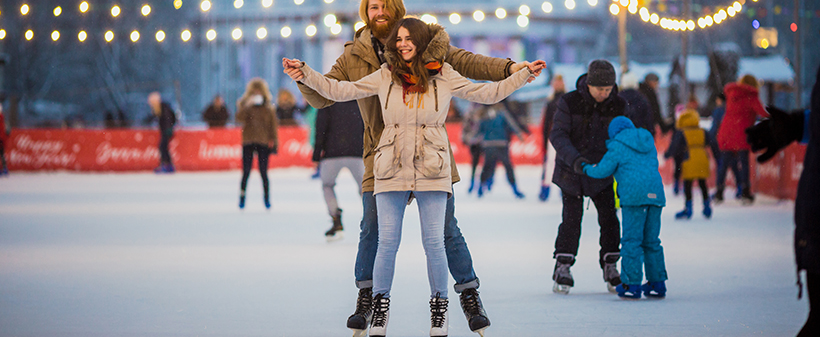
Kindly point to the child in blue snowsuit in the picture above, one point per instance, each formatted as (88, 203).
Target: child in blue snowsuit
(632, 159)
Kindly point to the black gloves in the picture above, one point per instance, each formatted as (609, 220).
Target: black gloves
(578, 165)
(776, 132)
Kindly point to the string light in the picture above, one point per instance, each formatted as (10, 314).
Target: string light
(358, 25)
(455, 18)
(205, 5)
(546, 7)
(82, 36)
(524, 10)
(285, 31)
(261, 33)
(328, 1)
(478, 16)
(109, 36)
(236, 34)
(115, 11)
(522, 21)
(146, 9)
(500, 13)
(719, 16)
(160, 36)
(569, 4)
(428, 19)
(211, 34)
(29, 35)
(310, 30)
(267, 3)
(55, 35)
(2, 34)
(238, 4)
(58, 10)
(336, 29)
(186, 35)
(298, 2)
(83, 7)
(177, 4)
(330, 20)
(135, 36)
(592, 3)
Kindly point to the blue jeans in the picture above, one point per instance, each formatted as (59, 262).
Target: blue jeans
(734, 160)
(641, 245)
(459, 259)
(391, 207)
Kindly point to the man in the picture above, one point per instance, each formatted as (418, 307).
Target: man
(338, 145)
(637, 106)
(649, 88)
(558, 90)
(362, 57)
(579, 134)
(216, 115)
(167, 119)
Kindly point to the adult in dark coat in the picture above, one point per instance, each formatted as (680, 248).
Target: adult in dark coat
(637, 105)
(772, 135)
(167, 120)
(338, 145)
(649, 89)
(579, 134)
(216, 114)
(546, 126)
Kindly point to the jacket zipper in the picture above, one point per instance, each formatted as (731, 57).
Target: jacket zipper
(435, 93)
(387, 99)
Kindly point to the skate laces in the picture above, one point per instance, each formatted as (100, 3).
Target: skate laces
(611, 271)
(438, 307)
(562, 270)
(469, 302)
(364, 303)
(380, 307)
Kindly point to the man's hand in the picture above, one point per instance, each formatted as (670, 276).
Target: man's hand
(293, 68)
(775, 133)
(578, 165)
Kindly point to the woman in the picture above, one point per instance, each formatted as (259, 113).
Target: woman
(742, 108)
(257, 115)
(414, 87)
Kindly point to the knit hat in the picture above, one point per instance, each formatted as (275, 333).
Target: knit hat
(601, 73)
(619, 123)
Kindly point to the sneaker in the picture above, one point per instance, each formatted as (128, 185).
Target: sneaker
(360, 319)
(474, 311)
(629, 291)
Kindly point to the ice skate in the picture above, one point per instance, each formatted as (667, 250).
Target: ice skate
(474, 311)
(381, 315)
(439, 321)
(629, 291)
(561, 275)
(360, 320)
(517, 193)
(336, 231)
(686, 213)
(242, 200)
(746, 197)
(611, 275)
(654, 289)
(267, 202)
(545, 193)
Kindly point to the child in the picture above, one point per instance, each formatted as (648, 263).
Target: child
(415, 88)
(631, 157)
(691, 139)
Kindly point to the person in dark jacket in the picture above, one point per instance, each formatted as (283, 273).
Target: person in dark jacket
(559, 89)
(260, 134)
(4, 137)
(579, 135)
(496, 133)
(632, 158)
(637, 106)
(773, 134)
(338, 144)
(649, 88)
(216, 115)
(167, 120)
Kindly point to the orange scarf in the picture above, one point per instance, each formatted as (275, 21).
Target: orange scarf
(409, 83)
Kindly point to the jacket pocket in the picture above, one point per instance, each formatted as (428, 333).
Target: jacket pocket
(435, 157)
(386, 164)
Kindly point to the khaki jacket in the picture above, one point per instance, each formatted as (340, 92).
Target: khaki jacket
(359, 60)
(259, 125)
(413, 152)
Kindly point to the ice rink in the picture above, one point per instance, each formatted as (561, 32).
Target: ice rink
(139, 254)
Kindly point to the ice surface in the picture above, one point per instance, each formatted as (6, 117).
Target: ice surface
(172, 255)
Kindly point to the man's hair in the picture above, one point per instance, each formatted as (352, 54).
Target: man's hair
(420, 35)
(395, 7)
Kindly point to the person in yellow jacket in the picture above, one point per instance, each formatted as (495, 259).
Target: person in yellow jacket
(690, 141)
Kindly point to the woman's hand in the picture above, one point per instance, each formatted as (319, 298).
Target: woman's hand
(534, 67)
(293, 68)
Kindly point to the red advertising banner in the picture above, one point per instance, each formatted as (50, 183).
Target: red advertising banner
(221, 149)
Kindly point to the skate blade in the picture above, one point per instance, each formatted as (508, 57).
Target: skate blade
(561, 289)
(611, 288)
(336, 237)
(359, 332)
(480, 332)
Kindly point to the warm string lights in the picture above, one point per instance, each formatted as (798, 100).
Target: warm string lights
(720, 15)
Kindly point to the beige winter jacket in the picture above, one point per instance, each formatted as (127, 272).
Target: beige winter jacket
(359, 60)
(259, 125)
(413, 153)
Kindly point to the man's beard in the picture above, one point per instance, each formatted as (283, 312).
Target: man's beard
(381, 31)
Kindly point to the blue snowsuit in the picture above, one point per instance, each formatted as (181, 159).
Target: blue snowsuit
(632, 159)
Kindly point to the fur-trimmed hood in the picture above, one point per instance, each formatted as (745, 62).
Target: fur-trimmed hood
(436, 50)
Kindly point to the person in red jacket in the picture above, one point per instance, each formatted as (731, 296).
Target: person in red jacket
(4, 136)
(742, 109)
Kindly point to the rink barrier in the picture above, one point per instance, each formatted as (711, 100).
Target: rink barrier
(123, 150)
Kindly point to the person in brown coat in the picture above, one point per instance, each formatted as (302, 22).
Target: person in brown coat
(361, 57)
(257, 115)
